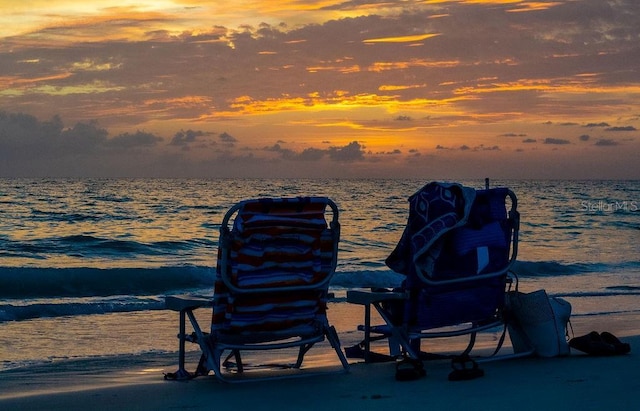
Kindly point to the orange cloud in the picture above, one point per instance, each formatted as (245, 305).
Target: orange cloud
(402, 39)
(533, 6)
(396, 87)
(401, 65)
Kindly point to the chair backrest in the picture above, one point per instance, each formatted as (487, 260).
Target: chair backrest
(483, 244)
(274, 266)
(456, 251)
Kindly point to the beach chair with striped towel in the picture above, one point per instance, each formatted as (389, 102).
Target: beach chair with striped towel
(456, 253)
(274, 266)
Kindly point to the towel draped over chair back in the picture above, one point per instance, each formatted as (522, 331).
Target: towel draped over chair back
(454, 232)
(274, 268)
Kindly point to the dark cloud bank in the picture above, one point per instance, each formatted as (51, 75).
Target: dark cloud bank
(31, 147)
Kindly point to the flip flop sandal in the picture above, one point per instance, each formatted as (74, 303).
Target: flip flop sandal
(409, 369)
(592, 344)
(464, 368)
(619, 346)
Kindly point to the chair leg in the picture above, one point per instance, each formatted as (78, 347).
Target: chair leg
(367, 332)
(181, 373)
(301, 353)
(408, 346)
(202, 369)
(214, 361)
(239, 365)
(395, 348)
(472, 342)
(332, 335)
(237, 358)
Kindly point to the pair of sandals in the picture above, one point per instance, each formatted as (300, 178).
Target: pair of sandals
(464, 368)
(409, 369)
(602, 344)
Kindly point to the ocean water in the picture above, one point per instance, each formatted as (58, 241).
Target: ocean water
(85, 263)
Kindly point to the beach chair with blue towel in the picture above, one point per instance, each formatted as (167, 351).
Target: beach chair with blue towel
(271, 288)
(456, 253)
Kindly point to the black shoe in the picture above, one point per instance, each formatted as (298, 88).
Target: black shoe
(592, 344)
(619, 346)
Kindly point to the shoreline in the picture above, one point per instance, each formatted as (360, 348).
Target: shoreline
(135, 382)
(574, 382)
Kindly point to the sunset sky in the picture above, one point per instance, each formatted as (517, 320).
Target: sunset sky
(429, 89)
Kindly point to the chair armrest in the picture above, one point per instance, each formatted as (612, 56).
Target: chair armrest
(186, 302)
(369, 297)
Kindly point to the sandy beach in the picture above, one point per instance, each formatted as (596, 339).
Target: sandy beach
(575, 382)
(578, 381)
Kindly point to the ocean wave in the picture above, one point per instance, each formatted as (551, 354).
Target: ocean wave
(83, 282)
(76, 307)
(47, 307)
(79, 282)
(27, 293)
(557, 269)
(29, 282)
(607, 292)
(89, 246)
(61, 216)
(366, 279)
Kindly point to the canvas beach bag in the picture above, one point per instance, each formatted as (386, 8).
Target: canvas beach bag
(538, 321)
